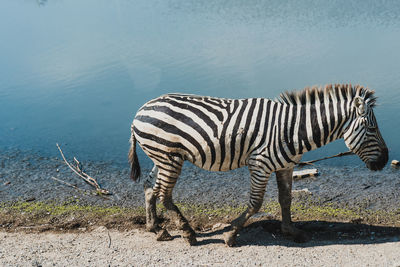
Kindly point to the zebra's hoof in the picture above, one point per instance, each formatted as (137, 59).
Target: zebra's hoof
(163, 235)
(230, 239)
(151, 228)
(191, 239)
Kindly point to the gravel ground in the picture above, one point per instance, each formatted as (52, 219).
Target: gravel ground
(136, 248)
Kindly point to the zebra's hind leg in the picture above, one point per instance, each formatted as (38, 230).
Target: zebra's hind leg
(259, 180)
(151, 212)
(150, 199)
(284, 180)
(166, 179)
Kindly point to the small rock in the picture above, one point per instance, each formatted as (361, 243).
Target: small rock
(262, 215)
(219, 226)
(100, 229)
(302, 191)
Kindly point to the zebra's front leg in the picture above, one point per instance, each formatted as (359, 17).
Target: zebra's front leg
(259, 180)
(284, 180)
(237, 225)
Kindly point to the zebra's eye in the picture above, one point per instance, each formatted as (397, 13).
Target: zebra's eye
(364, 121)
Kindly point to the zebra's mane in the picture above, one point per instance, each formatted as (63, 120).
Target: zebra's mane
(337, 91)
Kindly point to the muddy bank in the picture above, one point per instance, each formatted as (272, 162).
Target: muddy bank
(27, 177)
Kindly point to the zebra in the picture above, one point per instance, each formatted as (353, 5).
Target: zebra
(219, 134)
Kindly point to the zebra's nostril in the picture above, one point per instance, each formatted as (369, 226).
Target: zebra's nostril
(380, 162)
(373, 166)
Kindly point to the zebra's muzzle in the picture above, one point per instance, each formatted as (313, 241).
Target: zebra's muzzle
(378, 164)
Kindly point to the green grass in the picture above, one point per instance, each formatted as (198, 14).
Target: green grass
(71, 215)
(65, 208)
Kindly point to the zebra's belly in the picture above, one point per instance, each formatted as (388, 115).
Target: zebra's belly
(208, 156)
(218, 163)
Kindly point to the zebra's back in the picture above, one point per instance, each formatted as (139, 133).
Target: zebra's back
(213, 133)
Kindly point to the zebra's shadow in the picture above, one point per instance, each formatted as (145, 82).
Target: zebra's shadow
(321, 233)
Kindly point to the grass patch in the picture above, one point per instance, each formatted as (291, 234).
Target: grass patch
(70, 215)
(73, 216)
(330, 212)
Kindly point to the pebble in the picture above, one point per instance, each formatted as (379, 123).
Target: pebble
(302, 191)
(260, 215)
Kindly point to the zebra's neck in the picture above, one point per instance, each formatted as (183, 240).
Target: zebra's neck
(316, 124)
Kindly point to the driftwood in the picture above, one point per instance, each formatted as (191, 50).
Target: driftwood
(305, 174)
(395, 163)
(78, 170)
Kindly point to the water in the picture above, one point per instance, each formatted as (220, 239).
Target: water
(75, 72)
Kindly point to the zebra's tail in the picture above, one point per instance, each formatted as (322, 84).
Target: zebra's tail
(133, 159)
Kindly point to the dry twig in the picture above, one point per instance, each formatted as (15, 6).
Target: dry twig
(109, 239)
(347, 153)
(64, 182)
(78, 170)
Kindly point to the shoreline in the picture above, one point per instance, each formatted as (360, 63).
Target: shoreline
(27, 178)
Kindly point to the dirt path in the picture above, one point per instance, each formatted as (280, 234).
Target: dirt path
(102, 247)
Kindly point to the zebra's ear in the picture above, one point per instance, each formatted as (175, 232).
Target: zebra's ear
(359, 104)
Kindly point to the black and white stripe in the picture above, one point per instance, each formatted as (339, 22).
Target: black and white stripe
(266, 135)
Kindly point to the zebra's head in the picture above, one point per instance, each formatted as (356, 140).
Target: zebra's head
(362, 135)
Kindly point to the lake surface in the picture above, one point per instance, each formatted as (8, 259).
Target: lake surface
(75, 72)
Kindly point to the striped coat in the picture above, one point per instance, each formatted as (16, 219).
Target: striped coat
(266, 135)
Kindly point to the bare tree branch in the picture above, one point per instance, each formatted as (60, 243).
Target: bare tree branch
(78, 170)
